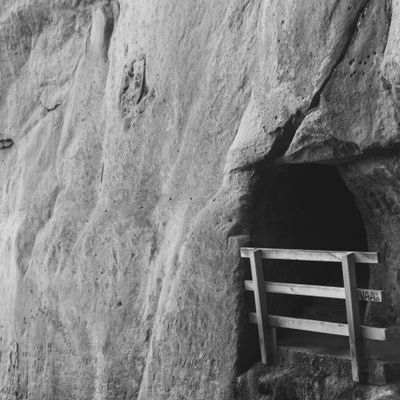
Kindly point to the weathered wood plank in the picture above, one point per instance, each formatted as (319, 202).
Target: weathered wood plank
(367, 332)
(353, 314)
(304, 324)
(266, 335)
(372, 333)
(312, 255)
(331, 292)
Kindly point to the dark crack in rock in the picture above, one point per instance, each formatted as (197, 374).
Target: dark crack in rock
(134, 87)
(6, 143)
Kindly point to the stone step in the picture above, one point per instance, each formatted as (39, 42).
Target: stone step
(313, 364)
(379, 372)
(263, 382)
(331, 353)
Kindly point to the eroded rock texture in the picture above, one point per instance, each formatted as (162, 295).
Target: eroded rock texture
(139, 130)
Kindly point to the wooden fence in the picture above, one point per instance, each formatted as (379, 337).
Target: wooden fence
(353, 329)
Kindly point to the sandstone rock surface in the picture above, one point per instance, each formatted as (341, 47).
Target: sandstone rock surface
(138, 129)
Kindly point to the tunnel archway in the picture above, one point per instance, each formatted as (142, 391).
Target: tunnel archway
(305, 206)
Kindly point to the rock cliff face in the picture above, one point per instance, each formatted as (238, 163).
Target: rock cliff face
(140, 131)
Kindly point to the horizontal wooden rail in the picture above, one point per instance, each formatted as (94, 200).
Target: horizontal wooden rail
(331, 292)
(362, 257)
(350, 293)
(276, 321)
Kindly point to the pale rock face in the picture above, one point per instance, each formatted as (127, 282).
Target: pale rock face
(137, 127)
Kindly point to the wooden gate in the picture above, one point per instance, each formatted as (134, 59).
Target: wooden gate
(353, 329)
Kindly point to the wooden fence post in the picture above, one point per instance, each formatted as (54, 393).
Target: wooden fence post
(267, 336)
(353, 314)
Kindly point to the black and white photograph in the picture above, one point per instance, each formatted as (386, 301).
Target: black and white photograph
(199, 200)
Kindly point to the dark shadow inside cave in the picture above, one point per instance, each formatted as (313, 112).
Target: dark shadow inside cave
(304, 206)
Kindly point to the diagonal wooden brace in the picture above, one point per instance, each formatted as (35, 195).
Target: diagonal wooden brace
(353, 315)
(267, 335)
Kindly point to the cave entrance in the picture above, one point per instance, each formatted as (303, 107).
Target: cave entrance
(305, 206)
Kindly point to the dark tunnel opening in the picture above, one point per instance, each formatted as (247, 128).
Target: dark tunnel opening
(304, 206)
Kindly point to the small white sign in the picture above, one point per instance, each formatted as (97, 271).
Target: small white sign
(374, 296)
